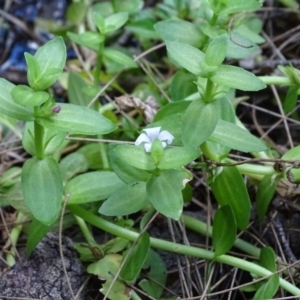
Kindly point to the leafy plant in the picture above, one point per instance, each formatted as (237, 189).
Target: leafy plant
(195, 128)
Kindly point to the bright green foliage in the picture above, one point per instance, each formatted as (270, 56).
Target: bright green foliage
(234, 137)
(199, 122)
(216, 51)
(268, 289)
(89, 39)
(77, 119)
(42, 188)
(92, 186)
(53, 140)
(104, 268)
(124, 170)
(156, 275)
(47, 64)
(36, 232)
(72, 165)
(265, 192)
(126, 200)
(237, 78)
(177, 157)
(229, 189)
(267, 259)
(9, 107)
(186, 56)
(164, 193)
(176, 30)
(224, 230)
(136, 258)
(135, 156)
(24, 95)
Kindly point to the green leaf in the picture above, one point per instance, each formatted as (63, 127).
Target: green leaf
(156, 275)
(229, 189)
(119, 57)
(42, 188)
(36, 232)
(125, 171)
(164, 193)
(92, 186)
(267, 259)
(51, 56)
(268, 289)
(199, 122)
(236, 6)
(125, 201)
(290, 99)
(171, 109)
(224, 230)
(216, 50)
(88, 39)
(9, 107)
(265, 192)
(136, 157)
(53, 140)
(24, 95)
(177, 157)
(131, 6)
(182, 86)
(237, 78)
(239, 46)
(98, 19)
(115, 21)
(103, 268)
(136, 258)
(143, 28)
(76, 87)
(186, 56)
(176, 30)
(293, 154)
(33, 69)
(73, 164)
(92, 154)
(234, 137)
(78, 120)
(76, 12)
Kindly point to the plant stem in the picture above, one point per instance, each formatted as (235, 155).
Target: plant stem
(38, 138)
(178, 248)
(98, 65)
(202, 228)
(276, 80)
(13, 238)
(208, 90)
(85, 230)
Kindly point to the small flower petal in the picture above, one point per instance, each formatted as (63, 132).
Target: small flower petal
(148, 147)
(164, 144)
(166, 136)
(142, 138)
(152, 133)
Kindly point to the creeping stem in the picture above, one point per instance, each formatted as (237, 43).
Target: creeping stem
(178, 248)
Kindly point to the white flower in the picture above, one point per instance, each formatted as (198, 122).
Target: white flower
(151, 134)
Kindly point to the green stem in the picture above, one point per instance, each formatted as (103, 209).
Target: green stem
(180, 249)
(98, 65)
(85, 230)
(13, 238)
(38, 138)
(103, 153)
(276, 80)
(208, 91)
(204, 229)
